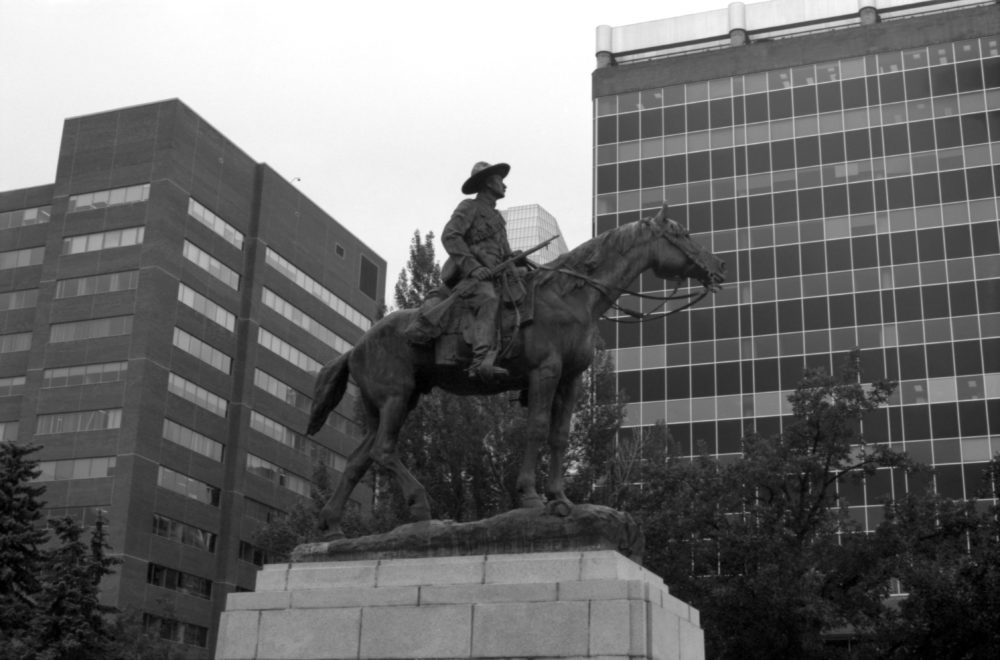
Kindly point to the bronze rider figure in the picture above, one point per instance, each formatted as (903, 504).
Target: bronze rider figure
(476, 241)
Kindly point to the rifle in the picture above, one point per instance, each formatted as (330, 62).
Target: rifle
(434, 315)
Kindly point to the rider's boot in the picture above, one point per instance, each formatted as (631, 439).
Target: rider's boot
(483, 354)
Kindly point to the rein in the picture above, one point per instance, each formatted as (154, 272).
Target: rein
(637, 317)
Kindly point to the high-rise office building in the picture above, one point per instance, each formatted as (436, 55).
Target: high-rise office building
(843, 157)
(529, 225)
(164, 306)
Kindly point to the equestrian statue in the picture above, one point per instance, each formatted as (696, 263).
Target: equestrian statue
(498, 324)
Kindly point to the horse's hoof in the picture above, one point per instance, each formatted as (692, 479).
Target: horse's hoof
(560, 508)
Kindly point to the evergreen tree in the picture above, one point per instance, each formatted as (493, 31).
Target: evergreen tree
(421, 274)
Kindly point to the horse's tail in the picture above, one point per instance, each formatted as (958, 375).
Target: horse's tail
(331, 383)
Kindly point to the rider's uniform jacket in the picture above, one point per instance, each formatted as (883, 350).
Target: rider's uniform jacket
(475, 236)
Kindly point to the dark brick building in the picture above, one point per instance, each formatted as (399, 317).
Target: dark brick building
(164, 306)
(843, 157)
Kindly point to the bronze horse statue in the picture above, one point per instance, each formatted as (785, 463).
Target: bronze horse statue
(547, 359)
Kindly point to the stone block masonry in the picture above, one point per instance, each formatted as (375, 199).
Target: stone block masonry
(537, 606)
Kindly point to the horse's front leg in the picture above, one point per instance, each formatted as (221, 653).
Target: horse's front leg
(541, 389)
(562, 413)
(392, 414)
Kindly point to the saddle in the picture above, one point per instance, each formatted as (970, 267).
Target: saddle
(445, 317)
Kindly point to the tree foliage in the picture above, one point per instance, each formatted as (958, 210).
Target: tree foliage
(420, 275)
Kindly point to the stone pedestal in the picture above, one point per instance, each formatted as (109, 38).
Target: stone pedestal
(589, 604)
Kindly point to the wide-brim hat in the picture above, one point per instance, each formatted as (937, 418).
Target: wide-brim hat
(480, 172)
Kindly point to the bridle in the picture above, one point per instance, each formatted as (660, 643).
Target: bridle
(675, 234)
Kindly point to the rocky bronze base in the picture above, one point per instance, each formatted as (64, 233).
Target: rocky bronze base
(587, 527)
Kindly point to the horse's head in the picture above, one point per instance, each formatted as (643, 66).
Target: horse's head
(678, 256)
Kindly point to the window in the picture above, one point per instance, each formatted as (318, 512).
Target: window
(210, 310)
(12, 386)
(176, 631)
(21, 258)
(77, 422)
(287, 352)
(368, 279)
(281, 390)
(232, 235)
(77, 468)
(187, 486)
(307, 323)
(8, 431)
(260, 511)
(15, 343)
(207, 354)
(315, 289)
(105, 240)
(211, 265)
(104, 283)
(25, 217)
(252, 554)
(22, 299)
(113, 326)
(192, 440)
(184, 533)
(104, 198)
(199, 396)
(276, 431)
(277, 475)
(84, 374)
(175, 580)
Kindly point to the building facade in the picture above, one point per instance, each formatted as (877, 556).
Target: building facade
(164, 307)
(843, 157)
(529, 225)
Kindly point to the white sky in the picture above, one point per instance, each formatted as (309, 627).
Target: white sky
(380, 107)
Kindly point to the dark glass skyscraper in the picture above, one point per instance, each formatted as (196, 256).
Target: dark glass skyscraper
(164, 306)
(844, 159)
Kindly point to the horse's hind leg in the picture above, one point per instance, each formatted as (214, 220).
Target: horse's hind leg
(357, 465)
(392, 413)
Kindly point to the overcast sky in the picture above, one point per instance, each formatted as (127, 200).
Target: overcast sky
(379, 108)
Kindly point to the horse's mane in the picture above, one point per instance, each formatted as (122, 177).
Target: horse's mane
(586, 257)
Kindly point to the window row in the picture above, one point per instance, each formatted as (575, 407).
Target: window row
(281, 390)
(12, 386)
(77, 468)
(315, 289)
(304, 321)
(187, 486)
(15, 342)
(211, 265)
(22, 299)
(204, 352)
(277, 475)
(94, 284)
(856, 148)
(252, 554)
(85, 374)
(287, 352)
(286, 436)
(808, 74)
(103, 198)
(22, 258)
(25, 217)
(231, 234)
(260, 511)
(206, 307)
(80, 421)
(181, 532)
(105, 240)
(197, 395)
(191, 439)
(112, 326)
(179, 581)
(173, 630)
(886, 89)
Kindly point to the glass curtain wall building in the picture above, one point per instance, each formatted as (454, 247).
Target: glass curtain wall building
(846, 165)
(529, 225)
(164, 307)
